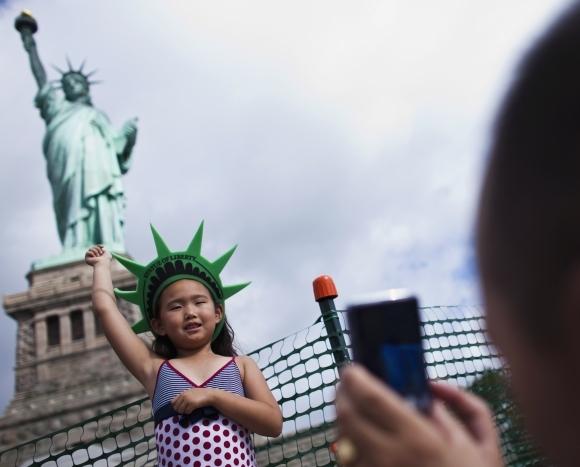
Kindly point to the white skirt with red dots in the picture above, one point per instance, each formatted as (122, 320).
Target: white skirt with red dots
(208, 442)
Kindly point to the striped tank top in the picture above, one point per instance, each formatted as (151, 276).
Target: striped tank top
(205, 437)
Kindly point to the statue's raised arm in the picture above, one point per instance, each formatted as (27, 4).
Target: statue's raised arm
(27, 26)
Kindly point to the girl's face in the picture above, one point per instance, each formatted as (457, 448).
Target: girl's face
(187, 315)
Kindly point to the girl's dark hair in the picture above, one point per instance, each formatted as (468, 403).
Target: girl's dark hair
(222, 345)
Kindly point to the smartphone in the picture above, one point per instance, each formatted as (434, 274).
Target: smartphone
(386, 338)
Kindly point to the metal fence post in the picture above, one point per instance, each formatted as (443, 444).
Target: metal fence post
(325, 293)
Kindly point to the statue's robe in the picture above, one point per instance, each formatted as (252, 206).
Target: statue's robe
(84, 171)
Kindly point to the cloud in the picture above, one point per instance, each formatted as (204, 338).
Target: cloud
(327, 137)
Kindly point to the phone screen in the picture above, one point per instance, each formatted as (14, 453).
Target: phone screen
(386, 338)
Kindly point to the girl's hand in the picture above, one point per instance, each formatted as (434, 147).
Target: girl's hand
(97, 254)
(386, 431)
(192, 399)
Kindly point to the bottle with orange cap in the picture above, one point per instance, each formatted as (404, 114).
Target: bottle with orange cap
(325, 293)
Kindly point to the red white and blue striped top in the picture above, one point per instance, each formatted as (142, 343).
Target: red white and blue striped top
(171, 382)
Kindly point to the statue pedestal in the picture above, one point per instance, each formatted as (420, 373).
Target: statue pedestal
(71, 255)
(65, 370)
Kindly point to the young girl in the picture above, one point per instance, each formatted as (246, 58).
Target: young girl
(206, 399)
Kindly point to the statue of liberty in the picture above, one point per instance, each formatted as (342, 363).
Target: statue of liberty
(85, 155)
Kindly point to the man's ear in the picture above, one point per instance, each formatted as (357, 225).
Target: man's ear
(157, 327)
(219, 313)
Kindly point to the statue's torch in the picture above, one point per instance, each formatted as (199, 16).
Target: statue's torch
(25, 24)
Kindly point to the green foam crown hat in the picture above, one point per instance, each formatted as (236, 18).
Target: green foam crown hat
(170, 267)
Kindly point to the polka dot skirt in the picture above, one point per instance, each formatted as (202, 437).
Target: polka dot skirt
(215, 442)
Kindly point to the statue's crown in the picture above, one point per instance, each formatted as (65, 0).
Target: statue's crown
(78, 72)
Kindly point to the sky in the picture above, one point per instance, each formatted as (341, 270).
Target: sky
(329, 137)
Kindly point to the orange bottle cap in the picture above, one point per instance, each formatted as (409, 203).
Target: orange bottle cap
(324, 288)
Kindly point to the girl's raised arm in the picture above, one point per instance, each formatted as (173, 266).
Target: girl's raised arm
(132, 351)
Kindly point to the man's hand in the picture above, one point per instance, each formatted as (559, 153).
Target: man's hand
(96, 255)
(387, 431)
(192, 399)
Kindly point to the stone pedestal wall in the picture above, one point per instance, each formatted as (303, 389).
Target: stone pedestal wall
(64, 375)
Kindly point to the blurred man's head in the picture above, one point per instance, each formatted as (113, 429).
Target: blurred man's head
(529, 236)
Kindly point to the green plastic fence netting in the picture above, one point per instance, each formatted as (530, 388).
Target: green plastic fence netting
(302, 374)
